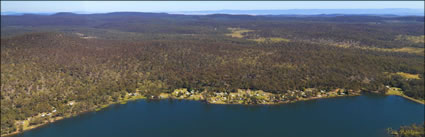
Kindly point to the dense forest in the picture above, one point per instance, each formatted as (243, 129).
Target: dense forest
(94, 59)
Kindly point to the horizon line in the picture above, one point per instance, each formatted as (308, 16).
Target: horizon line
(224, 9)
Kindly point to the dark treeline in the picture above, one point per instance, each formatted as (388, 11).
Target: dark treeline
(43, 71)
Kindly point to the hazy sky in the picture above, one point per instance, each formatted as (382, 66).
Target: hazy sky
(166, 6)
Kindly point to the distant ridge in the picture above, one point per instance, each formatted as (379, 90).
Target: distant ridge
(399, 12)
(24, 13)
(288, 12)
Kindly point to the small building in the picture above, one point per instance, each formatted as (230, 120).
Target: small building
(71, 103)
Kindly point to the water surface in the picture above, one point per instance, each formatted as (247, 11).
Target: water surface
(360, 116)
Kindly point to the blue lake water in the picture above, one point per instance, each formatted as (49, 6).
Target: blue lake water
(359, 116)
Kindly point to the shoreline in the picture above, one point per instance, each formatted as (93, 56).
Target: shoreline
(415, 100)
(397, 92)
(409, 98)
(55, 119)
(286, 102)
(163, 96)
(37, 126)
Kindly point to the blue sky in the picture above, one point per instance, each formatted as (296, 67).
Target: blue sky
(167, 6)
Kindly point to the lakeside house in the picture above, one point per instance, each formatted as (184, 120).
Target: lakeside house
(133, 94)
(256, 96)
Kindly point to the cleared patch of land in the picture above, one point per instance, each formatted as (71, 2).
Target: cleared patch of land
(413, 39)
(238, 32)
(404, 75)
(411, 50)
(408, 75)
(394, 91)
(241, 33)
(270, 40)
(358, 45)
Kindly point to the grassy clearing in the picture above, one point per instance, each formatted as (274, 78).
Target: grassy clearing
(26, 125)
(419, 51)
(195, 97)
(413, 39)
(394, 91)
(270, 40)
(164, 95)
(404, 75)
(238, 32)
(411, 50)
(122, 101)
(408, 75)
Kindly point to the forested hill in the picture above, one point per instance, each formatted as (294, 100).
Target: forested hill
(95, 59)
(373, 31)
(126, 20)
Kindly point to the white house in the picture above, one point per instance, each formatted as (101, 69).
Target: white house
(71, 103)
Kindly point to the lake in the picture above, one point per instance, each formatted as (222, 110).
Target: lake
(358, 116)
